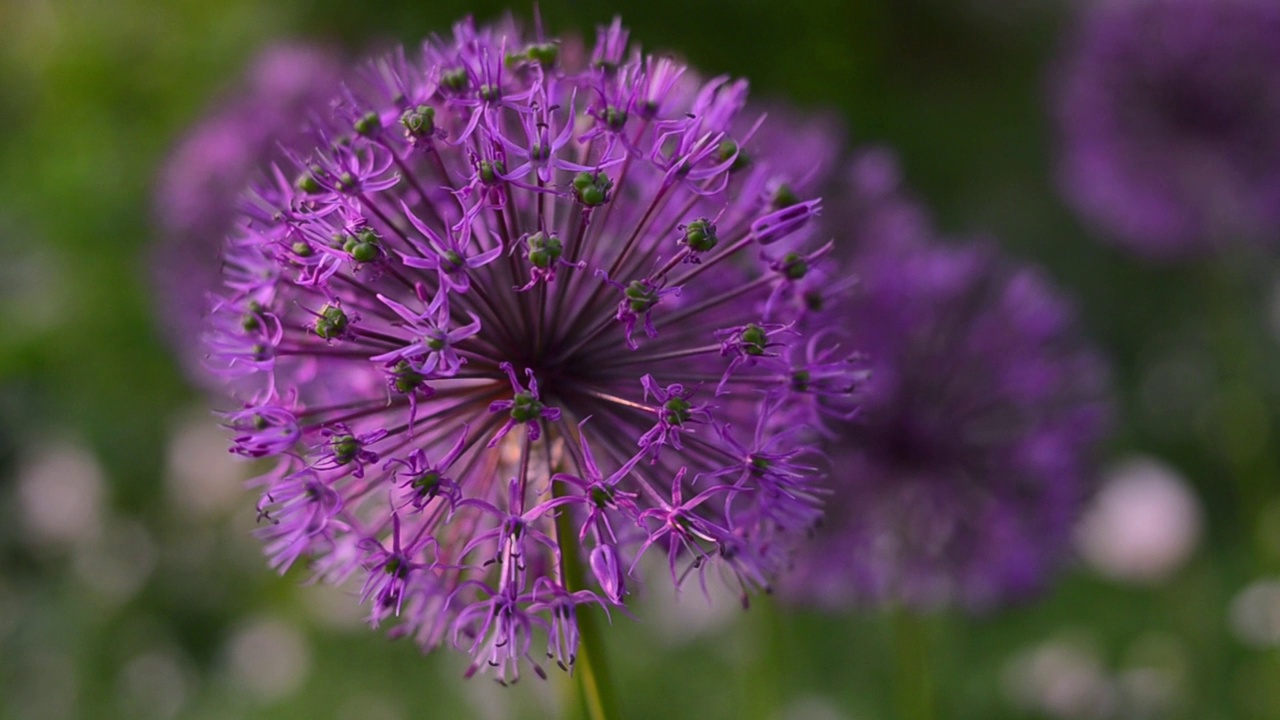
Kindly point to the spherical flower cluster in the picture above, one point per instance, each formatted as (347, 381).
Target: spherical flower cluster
(517, 319)
(960, 478)
(1168, 112)
(200, 184)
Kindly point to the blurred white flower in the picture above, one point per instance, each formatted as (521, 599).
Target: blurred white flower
(331, 606)
(203, 478)
(1149, 692)
(813, 707)
(1255, 614)
(269, 657)
(155, 684)
(1143, 524)
(46, 687)
(116, 564)
(1155, 676)
(678, 618)
(60, 493)
(1062, 679)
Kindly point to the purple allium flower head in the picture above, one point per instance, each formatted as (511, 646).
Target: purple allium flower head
(507, 314)
(959, 479)
(201, 183)
(1169, 112)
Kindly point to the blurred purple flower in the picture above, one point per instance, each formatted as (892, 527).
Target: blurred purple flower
(202, 182)
(390, 298)
(960, 478)
(1169, 113)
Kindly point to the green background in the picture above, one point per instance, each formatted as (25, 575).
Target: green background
(94, 93)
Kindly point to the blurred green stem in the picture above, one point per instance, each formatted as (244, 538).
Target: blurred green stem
(913, 686)
(1242, 411)
(764, 672)
(590, 667)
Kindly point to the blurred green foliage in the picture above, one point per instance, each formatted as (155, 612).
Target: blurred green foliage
(94, 92)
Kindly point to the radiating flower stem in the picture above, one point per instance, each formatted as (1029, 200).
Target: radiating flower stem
(913, 685)
(590, 668)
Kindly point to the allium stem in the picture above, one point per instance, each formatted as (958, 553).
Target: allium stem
(590, 667)
(912, 684)
(1252, 469)
(765, 669)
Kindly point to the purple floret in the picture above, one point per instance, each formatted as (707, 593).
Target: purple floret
(501, 284)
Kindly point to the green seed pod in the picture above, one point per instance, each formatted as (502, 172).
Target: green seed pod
(545, 54)
(525, 407)
(677, 411)
(640, 297)
(794, 266)
(331, 322)
(592, 189)
(455, 80)
(419, 122)
(615, 118)
(544, 251)
(345, 448)
(306, 181)
(405, 378)
(368, 124)
(754, 339)
(700, 235)
(784, 197)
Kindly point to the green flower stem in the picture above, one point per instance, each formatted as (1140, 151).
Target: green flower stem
(763, 693)
(913, 686)
(590, 667)
(1243, 416)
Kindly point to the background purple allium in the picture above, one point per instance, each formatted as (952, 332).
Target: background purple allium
(201, 183)
(1168, 112)
(509, 313)
(960, 478)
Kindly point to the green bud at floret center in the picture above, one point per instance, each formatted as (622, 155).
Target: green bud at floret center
(406, 379)
(345, 448)
(419, 122)
(455, 80)
(306, 181)
(592, 189)
(368, 124)
(545, 54)
(602, 497)
(490, 170)
(426, 483)
(677, 411)
(785, 197)
(640, 297)
(331, 322)
(544, 251)
(525, 407)
(754, 339)
(800, 380)
(794, 266)
(700, 235)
